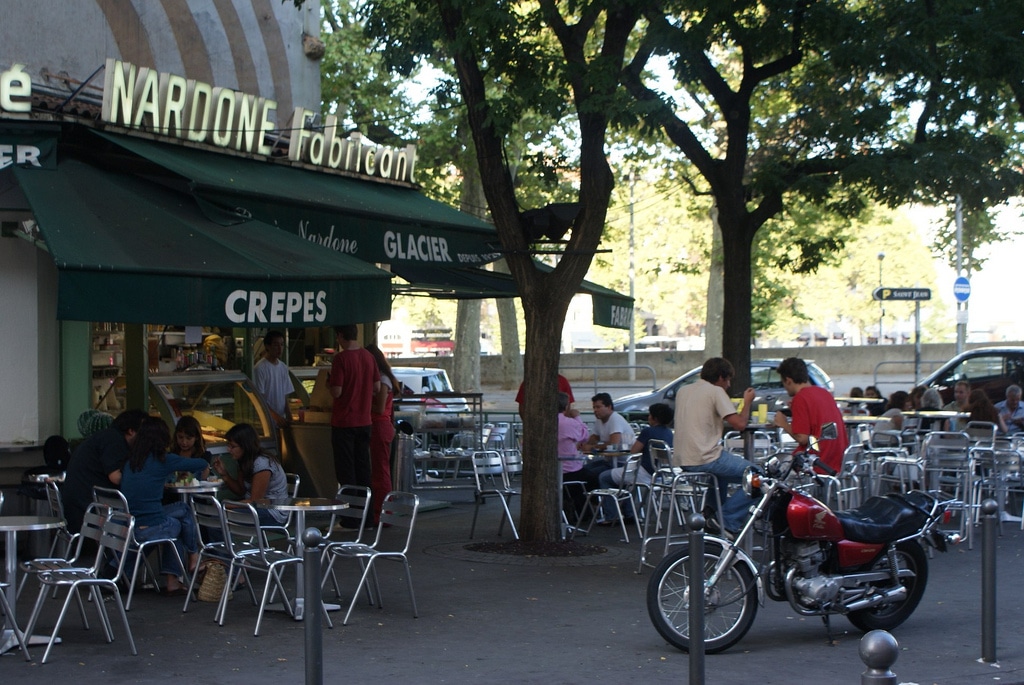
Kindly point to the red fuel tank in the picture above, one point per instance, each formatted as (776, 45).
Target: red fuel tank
(809, 519)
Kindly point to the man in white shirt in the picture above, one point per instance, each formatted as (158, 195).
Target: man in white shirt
(610, 430)
(270, 376)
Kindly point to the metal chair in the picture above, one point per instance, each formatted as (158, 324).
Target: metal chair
(358, 499)
(949, 468)
(491, 483)
(114, 541)
(283, 531)
(626, 492)
(63, 535)
(394, 536)
(244, 542)
(116, 500)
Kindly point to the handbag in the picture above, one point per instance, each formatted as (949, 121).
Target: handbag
(212, 585)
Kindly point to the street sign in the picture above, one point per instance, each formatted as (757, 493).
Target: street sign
(961, 288)
(903, 294)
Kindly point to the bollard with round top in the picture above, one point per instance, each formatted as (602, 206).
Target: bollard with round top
(879, 651)
(313, 539)
(989, 530)
(696, 523)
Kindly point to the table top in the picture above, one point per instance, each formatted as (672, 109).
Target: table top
(862, 418)
(204, 487)
(937, 414)
(25, 523)
(861, 400)
(303, 504)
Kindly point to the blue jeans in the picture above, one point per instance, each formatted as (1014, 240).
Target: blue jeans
(178, 525)
(728, 469)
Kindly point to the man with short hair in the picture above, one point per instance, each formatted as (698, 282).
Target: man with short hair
(271, 378)
(611, 429)
(1012, 411)
(961, 393)
(98, 461)
(812, 407)
(702, 410)
(354, 381)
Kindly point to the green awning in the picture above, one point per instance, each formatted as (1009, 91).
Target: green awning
(610, 309)
(376, 222)
(132, 251)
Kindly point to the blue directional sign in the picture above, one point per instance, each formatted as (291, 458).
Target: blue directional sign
(961, 289)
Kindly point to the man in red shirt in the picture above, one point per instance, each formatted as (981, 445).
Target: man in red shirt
(563, 386)
(812, 407)
(353, 383)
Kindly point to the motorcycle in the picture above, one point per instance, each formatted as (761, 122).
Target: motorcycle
(867, 564)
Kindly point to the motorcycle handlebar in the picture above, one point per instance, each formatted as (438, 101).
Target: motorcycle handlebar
(818, 463)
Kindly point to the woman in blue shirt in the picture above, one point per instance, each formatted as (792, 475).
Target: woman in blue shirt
(142, 483)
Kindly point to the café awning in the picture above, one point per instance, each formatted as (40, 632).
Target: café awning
(377, 222)
(133, 251)
(610, 308)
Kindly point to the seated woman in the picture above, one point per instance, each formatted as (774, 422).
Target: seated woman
(658, 417)
(571, 432)
(260, 476)
(142, 483)
(187, 442)
(982, 409)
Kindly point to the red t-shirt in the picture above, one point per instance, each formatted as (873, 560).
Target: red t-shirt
(563, 386)
(356, 372)
(813, 406)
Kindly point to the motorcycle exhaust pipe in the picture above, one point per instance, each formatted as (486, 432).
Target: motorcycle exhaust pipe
(894, 594)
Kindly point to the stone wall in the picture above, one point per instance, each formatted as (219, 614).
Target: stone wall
(666, 365)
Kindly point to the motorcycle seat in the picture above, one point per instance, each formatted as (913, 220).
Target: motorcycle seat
(882, 519)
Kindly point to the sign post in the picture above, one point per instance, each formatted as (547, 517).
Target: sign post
(961, 291)
(915, 295)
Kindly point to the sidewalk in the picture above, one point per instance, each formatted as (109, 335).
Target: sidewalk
(494, 619)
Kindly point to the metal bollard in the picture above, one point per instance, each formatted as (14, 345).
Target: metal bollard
(696, 612)
(879, 651)
(989, 525)
(312, 618)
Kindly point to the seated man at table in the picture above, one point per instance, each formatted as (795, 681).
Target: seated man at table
(701, 410)
(812, 407)
(961, 395)
(1012, 411)
(610, 431)
(98, 461)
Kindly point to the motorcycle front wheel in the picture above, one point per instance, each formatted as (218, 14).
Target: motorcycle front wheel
(909, 556)
(729, 606)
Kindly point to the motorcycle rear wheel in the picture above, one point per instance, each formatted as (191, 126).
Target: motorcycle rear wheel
(909, 555)
(729, 607)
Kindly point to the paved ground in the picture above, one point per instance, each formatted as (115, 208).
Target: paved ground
(491, 619)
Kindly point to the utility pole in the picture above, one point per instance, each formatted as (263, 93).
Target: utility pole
(881, 304)
(961, 306)
(631, 357)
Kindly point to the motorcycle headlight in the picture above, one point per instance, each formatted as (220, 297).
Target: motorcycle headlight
(751, 481)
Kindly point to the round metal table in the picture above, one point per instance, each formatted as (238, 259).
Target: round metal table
(11, 526)
(301, 505)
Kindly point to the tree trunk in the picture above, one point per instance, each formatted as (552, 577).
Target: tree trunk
(466, 369)
(539, 514)
(716, 298)
(511, 355)
(737, 243)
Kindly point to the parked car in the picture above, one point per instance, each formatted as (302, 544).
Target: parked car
(764, 378)
(428, 381)
(991, 369)
(415, 381)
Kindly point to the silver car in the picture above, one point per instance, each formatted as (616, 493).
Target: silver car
(764, 378)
